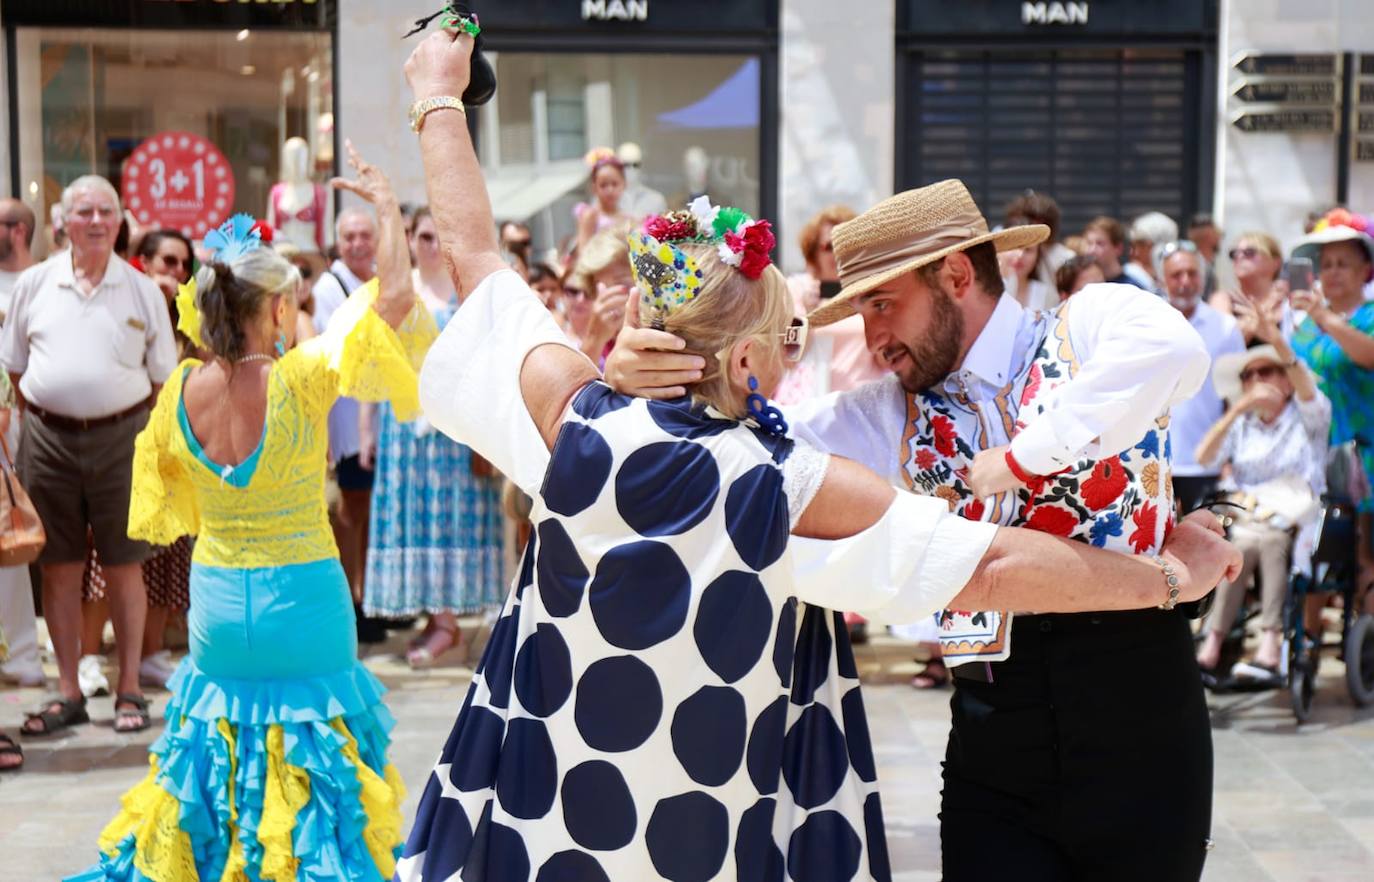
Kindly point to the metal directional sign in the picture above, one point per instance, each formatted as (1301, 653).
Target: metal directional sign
(1288, 92)
(1364, 151)
(1366, 95)
(1287, 65)
(1364, 122)
(1322, 120)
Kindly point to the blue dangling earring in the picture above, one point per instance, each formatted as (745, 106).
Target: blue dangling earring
(281, 344)
(769, 418)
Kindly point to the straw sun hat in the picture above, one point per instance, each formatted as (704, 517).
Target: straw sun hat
(906, 232)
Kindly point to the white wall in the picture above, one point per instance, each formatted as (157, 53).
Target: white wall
(373, 95)
(5, 183)
(1271, 181)
(837, 80)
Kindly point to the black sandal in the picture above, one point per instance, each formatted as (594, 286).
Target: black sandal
(935, 676)
(56, 714)
(8, 747)
(140, 712)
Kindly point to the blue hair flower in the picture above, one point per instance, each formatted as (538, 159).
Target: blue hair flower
(235, 237)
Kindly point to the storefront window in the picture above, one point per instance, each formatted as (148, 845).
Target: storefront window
(695, 119)
(88, 98)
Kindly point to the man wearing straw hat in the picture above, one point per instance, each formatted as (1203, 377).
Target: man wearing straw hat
(1080, 745)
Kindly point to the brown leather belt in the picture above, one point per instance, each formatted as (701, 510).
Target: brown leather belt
(73, 424)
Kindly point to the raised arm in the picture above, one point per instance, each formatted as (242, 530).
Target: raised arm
(396, 291)
(902, 556)
(549, 375)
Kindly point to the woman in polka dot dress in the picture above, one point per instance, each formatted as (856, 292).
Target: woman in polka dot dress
(660, 698)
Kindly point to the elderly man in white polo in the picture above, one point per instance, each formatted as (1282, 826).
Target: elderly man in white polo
(87, 344)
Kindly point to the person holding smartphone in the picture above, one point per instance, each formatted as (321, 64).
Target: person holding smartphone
(1335, 337)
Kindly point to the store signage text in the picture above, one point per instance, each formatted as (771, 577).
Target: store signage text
(1054, 13)
(1264, 63)
(615, 10)
(179, 181)
(1289, 91)
(1322, 121)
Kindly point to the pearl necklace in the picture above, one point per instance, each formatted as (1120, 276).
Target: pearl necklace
(255, 356)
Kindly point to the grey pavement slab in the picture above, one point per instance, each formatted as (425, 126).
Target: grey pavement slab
(1292, 804)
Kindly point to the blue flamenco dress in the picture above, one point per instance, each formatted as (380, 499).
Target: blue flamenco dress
(272, 765)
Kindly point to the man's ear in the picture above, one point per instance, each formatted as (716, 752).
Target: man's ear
(958, 273)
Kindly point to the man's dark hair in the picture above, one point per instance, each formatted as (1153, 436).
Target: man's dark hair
(1201, 219)
(1038, 208)
(986, 272)
(1110, 227)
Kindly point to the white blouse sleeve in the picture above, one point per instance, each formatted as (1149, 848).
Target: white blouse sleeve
(470, 382)
(802, 475)
(908, 565)
(864, 424)
(1138, 357)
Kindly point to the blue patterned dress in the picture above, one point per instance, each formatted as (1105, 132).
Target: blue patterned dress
(435, 541)
(653, 703)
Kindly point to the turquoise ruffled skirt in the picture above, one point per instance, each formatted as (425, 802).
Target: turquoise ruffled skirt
(273, 763)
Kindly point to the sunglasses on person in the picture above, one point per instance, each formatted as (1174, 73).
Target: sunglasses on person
(1249, 252)
(794, 339)
(1260, 372)
(427, 238)
(576, 293)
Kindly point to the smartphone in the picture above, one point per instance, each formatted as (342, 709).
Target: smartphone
(831, 288)
(1298, 274)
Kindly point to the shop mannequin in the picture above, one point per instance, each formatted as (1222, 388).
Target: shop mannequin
(638, 200)
(696, 166)
(297, 207)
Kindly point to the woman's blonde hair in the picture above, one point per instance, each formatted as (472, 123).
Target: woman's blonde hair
(729, 309)
(1266, 243)
(605, 249)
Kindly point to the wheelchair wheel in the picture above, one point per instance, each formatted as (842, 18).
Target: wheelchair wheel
(1302, 682)
(1359, 660)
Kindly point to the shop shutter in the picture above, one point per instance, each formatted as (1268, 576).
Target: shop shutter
(1102, 131)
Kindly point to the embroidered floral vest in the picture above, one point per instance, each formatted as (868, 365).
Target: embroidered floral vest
(1124, 502)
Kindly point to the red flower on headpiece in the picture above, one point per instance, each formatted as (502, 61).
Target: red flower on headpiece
(265, 231)
(754, 246)
(666, 230)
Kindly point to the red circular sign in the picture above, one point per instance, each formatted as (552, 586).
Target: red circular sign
(179, 181)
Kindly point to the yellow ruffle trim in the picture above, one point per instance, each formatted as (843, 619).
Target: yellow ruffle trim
(162, 849)
(381, 798)
(374, 361)
(286, 793)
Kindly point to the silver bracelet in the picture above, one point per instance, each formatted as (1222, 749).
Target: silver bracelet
(1170, 579)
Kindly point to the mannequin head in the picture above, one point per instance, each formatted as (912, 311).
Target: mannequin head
(295, 161)
(696, 165)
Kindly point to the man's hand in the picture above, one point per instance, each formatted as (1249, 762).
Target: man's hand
(990, 474)
(440, 65)
(651, 364)
(1201, 556)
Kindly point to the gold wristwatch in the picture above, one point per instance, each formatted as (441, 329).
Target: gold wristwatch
(422, 108)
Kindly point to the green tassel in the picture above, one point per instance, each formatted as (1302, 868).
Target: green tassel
(728, 220)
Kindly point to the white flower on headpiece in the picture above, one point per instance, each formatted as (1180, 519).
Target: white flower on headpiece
(727, 256)
(705, 213)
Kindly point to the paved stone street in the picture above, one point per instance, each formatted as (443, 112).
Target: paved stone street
(1290, 806)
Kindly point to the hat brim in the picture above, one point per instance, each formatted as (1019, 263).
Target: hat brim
(841, 306)
(1226, 370)
(1310, 246)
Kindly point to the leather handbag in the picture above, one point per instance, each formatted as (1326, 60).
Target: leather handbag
(21, 530)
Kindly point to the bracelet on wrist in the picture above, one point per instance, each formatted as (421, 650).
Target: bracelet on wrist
(1170, 581)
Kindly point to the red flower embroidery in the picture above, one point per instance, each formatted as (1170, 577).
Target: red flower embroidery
(925, 458)
(1105, 485)
(1032, 384)
(944, 434)
(974, 510)
(1048, 519)
(1143, 539)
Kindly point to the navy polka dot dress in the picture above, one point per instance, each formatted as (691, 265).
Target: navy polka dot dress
(653, 704)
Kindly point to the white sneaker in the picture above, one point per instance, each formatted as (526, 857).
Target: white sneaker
(27, 675)
(157, 669)
(91, 678)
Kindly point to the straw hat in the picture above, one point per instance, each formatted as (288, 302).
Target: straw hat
(908, 231)
(1227, 369)
(1310, 246)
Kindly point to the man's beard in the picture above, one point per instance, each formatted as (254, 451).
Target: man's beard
(930, 360)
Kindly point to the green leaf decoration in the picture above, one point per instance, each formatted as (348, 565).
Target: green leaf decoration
(729, 219)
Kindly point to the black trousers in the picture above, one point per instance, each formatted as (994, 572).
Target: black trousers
(1088, 757)
(1189, 492)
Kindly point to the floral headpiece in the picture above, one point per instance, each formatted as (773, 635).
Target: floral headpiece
(235, 237)
(1341, 217)
(601, 156)
(668, 277)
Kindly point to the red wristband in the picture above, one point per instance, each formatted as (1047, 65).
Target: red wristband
(1020, 474)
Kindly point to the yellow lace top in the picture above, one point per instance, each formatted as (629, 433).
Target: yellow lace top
(279, 516)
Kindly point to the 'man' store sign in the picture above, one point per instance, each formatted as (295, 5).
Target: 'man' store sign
(615, 10)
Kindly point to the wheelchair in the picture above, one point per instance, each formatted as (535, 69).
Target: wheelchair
(1335, 570)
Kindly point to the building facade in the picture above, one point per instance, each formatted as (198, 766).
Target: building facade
(779, 106)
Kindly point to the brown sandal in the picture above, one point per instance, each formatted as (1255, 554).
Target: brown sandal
(55, 715)
(933, 676)
(139, 713)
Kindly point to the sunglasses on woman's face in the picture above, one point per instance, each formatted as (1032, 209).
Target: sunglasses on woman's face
(1249, 252)
(1262, 372)
(794, 339)
(576, 293)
